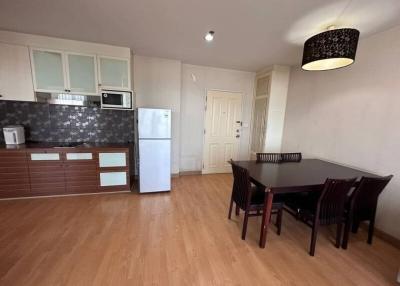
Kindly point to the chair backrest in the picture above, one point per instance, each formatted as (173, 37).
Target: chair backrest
(291, 157)
(269, 157)
(365, 197)
(330, 207)
(278, 157)
(241, 185)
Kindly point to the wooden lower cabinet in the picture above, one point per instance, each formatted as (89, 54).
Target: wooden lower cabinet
(45, 172)
(14, 174)
(114, 170)
(81, 172)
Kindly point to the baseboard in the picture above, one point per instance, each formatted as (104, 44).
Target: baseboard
(383, 235)
(65, 195)
(136, 177)
(189, 173)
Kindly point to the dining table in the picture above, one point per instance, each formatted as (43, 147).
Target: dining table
(308, 175)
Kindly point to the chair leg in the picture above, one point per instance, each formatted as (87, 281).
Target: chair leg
(339, 234)
(371, 230)
(237, 210)
(313, 239)
(346, 234)
(355, 226)
(246, 218)
(230, 209)
(279, 221)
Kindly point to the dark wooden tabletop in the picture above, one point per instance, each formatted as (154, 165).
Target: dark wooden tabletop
(285, 177)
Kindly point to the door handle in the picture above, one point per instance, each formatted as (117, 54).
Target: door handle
(237, 136)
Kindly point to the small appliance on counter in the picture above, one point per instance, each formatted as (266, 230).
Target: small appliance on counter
(14, 134)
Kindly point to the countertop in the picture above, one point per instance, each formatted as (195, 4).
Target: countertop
(62, 146)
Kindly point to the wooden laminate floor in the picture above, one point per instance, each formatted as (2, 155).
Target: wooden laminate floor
(181, 238)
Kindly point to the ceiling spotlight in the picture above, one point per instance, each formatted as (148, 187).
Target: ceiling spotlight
(209, 36)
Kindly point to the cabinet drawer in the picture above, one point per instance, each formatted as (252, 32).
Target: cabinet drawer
(112, 160)
(45, 156)
(113, 179)
(79, 156)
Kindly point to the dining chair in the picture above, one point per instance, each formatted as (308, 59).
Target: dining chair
(250, 198)
(278, 157)
(268, 157)
(326, 208)
(291, 157)
(362, 206)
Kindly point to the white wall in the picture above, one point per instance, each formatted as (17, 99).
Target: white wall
(192, 109)
(157, 84)
(352, 116)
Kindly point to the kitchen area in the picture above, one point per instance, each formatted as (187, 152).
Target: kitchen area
(68, 123)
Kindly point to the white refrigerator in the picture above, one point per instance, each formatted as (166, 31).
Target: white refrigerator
(154, 136)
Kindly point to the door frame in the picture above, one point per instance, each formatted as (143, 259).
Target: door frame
(205, 119)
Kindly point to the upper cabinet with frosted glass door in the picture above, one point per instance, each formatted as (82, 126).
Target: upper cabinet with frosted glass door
(60, 72)
(82, 73)
(114, 73)
(48, 69)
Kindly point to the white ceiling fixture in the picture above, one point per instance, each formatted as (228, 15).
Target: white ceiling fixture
(209, 36)
(255, 33)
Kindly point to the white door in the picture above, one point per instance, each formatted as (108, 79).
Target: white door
(15, 73)
(222, 131)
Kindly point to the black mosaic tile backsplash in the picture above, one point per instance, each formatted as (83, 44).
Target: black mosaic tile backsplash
(63, 123)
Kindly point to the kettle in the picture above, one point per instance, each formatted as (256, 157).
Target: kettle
(14, 134)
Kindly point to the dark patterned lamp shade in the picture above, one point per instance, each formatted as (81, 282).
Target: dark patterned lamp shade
(329, 50)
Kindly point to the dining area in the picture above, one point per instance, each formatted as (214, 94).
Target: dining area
(315, 192)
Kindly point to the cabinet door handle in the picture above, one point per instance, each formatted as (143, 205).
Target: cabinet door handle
(1, 95)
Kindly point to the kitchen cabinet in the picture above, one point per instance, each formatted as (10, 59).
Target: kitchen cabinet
(113, 179)
(114, 170)
(81, 175)
(60, 72)
(114, 73)
(112, 159)
(45, 171)
(15, 73)
(48, 70)
(82, 73)
(14, 174)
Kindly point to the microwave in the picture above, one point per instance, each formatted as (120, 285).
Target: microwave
(114, 99)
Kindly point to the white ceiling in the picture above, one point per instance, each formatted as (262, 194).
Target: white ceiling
(250, 34)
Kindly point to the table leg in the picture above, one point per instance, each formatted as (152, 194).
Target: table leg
(269, 196)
